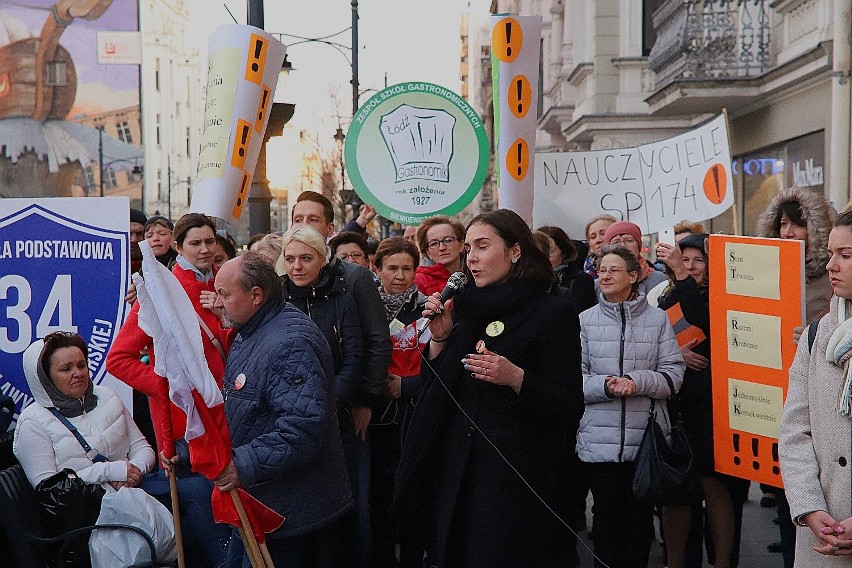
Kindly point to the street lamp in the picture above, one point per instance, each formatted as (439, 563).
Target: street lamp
(339, 47)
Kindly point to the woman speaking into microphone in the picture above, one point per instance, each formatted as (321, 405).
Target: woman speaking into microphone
(504, 384)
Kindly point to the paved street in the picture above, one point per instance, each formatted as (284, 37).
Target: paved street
(758, 531)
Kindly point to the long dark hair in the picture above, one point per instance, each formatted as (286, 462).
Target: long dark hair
(533, 264)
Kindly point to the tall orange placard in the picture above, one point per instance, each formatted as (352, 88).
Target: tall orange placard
(756, 300)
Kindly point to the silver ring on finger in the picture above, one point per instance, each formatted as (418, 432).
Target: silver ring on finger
(835, 548)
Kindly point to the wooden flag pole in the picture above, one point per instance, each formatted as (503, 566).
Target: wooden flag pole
(176, 517)
(255, 556)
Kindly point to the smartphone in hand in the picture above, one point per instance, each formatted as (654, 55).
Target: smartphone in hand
(666, 235)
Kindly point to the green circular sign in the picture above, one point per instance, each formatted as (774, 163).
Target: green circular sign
(415, 150)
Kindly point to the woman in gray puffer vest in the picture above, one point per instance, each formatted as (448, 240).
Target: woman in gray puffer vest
(629, 348)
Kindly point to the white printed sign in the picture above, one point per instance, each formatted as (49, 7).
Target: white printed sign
(653, 185)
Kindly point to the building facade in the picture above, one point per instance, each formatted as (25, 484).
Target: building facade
(618, 73)
(172, 106)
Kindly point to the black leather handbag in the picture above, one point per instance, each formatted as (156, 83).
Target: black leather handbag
(664, 473)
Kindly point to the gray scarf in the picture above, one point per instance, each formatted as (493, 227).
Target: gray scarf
(69, 407)
(394, 302)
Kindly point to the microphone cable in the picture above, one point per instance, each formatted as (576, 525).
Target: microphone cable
(508, 463)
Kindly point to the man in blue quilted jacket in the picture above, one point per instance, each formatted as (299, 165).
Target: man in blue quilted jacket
(281, 413)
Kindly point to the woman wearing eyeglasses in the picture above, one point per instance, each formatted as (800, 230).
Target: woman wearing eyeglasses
(629, 356)
(629, 235)
(442, 240)
(351, 247)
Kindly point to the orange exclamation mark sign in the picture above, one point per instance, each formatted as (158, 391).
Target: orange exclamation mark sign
(256, 61)
(261, 109)
(518, 159)
(507, 40)
(775, 469)
(241, 144)
(716, 183)
(245, 183)
(520, 96)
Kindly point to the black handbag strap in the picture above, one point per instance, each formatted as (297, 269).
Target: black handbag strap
(98, 457)
(671, 401)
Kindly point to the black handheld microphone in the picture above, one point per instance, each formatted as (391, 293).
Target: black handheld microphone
(455, 283)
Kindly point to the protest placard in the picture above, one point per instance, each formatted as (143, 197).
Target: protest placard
(653, 185)
(64, 266)
(242, 74)
(754, 307)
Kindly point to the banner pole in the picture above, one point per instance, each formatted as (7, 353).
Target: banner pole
(257, 560)
(176, 517)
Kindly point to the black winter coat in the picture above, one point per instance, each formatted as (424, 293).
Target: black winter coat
(333, 310)
(374, 328)
(451, 483)
(695, 395)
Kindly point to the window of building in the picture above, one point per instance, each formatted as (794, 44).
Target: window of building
(158, 129)
(109, 178)
(160, 194)
(124, 132)
(56, 74)
(188, 141)
(157, 74)
(89, 179)
(649, 35)
(760, 174)
(188, 190)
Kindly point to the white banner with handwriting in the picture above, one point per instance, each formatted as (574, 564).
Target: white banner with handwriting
(654, 185)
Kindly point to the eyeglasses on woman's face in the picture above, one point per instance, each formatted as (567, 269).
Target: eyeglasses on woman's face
(446, 241)
(351, 256)
(613, 271)
(623, 240)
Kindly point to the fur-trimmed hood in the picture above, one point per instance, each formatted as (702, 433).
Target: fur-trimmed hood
(815, 212)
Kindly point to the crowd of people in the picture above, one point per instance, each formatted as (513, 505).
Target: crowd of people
(393, 427)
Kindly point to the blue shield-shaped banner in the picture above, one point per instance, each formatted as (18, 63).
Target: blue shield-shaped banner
(58, 274)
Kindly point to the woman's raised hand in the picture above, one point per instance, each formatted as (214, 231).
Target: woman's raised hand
(493, 368)
(442, 322)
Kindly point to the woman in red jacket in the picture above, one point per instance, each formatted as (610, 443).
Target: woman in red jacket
(194, 237)
(441, 239)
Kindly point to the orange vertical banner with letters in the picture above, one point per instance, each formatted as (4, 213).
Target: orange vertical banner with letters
(756, 301)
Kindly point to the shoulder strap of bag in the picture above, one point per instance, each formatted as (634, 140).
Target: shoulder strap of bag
(672, 401)
(93, 455)
(812, 331)
(216, 343)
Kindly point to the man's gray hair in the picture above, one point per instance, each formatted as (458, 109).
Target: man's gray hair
(255, 270)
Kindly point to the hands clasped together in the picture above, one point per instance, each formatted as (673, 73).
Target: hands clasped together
(620, 386)
(835, 536)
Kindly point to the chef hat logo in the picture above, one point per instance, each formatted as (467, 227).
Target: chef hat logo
(420, 142)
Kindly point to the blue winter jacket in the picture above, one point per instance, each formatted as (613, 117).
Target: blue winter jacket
(286, 445)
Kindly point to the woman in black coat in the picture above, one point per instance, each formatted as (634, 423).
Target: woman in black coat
(504, 386)
(722, 494)
(569, 273)
(320, 293)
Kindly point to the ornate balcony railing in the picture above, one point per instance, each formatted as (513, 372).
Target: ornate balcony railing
(711, 39)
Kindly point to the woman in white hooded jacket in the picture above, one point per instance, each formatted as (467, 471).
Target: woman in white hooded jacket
(57, 372)
(629, 348)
